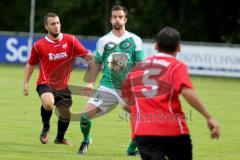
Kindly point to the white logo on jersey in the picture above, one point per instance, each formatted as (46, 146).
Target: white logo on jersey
(155, 61)
(57, 56)
(64, 45)
(56, 45)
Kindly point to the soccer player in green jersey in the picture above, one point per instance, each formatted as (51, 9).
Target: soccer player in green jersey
(117, 52)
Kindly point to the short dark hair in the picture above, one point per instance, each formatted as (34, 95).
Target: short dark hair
(168, 39)
(49, 15)
(119, 8)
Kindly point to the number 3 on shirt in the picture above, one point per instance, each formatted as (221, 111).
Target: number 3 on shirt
(149, 84)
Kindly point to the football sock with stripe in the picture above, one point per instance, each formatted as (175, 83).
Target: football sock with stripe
(85, 125)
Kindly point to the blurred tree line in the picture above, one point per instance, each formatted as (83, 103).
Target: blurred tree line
(197, 20)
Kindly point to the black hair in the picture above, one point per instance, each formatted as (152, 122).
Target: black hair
(168, 39)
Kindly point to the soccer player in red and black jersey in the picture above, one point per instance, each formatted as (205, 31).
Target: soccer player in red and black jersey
(153, 88)
(55, 54)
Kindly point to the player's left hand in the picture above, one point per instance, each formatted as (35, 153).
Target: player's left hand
(214, 128)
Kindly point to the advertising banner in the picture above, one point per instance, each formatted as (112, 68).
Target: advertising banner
(200, 59)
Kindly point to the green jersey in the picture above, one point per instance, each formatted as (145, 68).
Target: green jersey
(118, 56)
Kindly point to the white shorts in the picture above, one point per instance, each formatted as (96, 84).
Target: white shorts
(106, 99)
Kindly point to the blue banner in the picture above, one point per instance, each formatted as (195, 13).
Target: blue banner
(14, 49)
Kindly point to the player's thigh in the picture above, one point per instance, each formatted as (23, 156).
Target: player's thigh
(149, 148)
(103, 101)
(179, 148)
(91, 110)
(46, 96)
(109, 109)
(63, 98)
(63, 102)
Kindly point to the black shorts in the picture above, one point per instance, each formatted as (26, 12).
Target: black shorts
(61, 97)
(158, 148)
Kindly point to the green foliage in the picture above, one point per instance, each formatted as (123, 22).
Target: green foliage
(197, 20)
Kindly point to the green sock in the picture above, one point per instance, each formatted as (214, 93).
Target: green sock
(132, 146)
(85, 125)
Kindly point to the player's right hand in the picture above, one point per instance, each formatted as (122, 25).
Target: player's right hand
(25, 89)
(86, 92)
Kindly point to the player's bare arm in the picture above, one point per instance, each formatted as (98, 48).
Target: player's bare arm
(93, 72)
(192, 98)
(27, 75)
(90, 59)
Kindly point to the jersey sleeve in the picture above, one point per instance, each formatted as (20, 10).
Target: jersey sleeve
(139, 54)
(34, 57)
(181, 78)
(99, 53)
(78, 49)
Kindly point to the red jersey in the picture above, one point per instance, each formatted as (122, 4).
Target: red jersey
(55, 59)
(153, 88)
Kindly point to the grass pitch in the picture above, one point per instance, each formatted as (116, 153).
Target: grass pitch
(20, 123)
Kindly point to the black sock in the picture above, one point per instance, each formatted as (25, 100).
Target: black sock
(46, 115)
(62, 128)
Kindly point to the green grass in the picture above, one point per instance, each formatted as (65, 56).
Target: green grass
(20, 123)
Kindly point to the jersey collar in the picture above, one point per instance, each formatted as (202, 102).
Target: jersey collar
(161, 54)
(51, 41)
(117, 36)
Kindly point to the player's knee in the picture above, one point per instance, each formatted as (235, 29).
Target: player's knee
(126, 108)
(48, 102)
(48, 106)
(64, 113)
(84, 119)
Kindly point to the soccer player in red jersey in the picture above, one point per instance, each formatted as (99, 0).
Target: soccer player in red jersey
(55, 54)
(153, 88)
